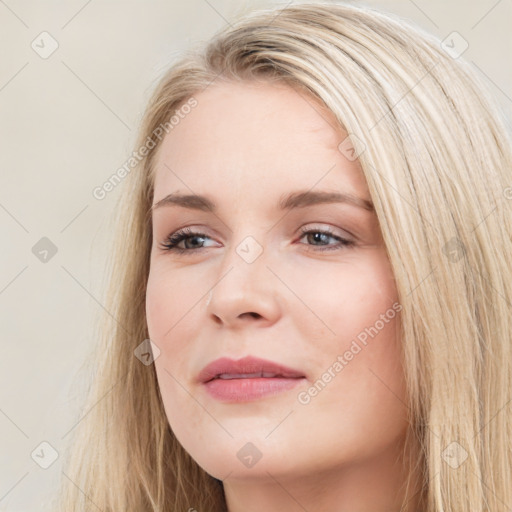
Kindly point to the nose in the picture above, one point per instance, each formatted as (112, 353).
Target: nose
(246, 292)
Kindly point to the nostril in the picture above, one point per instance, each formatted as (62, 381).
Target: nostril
(254, 315)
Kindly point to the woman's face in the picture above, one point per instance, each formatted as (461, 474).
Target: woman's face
(323, 305)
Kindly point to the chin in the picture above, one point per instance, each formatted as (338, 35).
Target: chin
(241, 456)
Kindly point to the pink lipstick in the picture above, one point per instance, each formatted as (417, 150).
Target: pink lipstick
(247, 379)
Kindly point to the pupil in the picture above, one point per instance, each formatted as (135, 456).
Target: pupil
(194, 238)
(318, 236)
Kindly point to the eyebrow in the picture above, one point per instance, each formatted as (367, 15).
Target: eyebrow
(299, 199)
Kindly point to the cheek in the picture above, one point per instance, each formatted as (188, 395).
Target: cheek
(355, 347)
(346, 298)
(168, 310)
(171, 303)
(173, 307)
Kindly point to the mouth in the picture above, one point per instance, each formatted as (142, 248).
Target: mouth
(265, 375)
(247, 379)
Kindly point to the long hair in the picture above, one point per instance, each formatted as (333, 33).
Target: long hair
(436, 153)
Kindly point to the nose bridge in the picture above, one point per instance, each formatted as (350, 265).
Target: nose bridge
(245, 262)
(249, 243)
(245, 285)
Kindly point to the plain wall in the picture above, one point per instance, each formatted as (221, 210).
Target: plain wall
(67, 124)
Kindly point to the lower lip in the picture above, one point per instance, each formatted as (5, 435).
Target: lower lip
(245, 390)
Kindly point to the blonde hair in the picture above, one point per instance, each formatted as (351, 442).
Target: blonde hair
(436, 153)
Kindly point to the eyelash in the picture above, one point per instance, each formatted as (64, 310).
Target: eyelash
(172, 241)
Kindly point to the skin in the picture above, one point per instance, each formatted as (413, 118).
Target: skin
(245, 145)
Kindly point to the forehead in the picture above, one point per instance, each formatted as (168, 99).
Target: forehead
(259, 137)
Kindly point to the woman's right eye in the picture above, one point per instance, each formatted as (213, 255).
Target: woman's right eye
(172, 241)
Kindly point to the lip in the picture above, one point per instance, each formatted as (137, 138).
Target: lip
(247, 379)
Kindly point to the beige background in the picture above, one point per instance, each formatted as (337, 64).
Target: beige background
(67, 123)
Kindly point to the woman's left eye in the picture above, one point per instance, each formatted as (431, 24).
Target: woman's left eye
(314, 235)
(322, 235)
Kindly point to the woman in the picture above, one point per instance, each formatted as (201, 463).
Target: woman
(310, 294)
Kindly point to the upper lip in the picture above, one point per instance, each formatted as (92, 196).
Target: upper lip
(246, 366)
